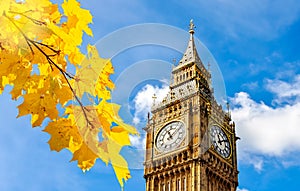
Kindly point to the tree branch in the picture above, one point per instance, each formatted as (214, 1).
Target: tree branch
(51, 62)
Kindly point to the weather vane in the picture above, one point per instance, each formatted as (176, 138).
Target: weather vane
(192, 26)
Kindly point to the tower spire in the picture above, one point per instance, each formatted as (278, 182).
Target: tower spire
(191, 54)
(190, 57)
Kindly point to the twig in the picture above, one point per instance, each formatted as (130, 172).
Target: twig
(32, 19)
(47, 46)
(4, 14)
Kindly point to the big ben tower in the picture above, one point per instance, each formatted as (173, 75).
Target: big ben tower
(191, 140)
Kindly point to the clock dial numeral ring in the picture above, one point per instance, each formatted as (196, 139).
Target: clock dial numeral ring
(170, 136)
(220, 141)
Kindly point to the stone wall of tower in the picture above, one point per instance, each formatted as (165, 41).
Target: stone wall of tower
(191, 176)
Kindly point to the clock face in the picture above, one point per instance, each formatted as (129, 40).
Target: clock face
(170, 136)
(220, 141)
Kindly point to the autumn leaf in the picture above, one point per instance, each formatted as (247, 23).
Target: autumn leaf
(23, 81)
(75, 13)
(104, 84)
(88, 73)
(120, 136)
(85, 156)
(88, 125)
(109, 112)
(63, 135)
(59, 89)
(8, 61)
(119, 164)
(39, 106)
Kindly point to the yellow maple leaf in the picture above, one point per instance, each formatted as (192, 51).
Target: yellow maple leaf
(119, 164)
(63, 135)
(60, 89)
(22, 79)
(10, 62)
(85, 156)
(110, 112)
(4, 7)
(88, 124)
(39, 106)
(88, 73)
(76, 14)
(104, 82)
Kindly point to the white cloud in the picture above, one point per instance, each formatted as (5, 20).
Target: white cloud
(254, 160)
(272, 131)
(143, 100)
(251, 85)
(291, 161)
(266, 130)
(241, 189)
(290, 69)
(139, 142)
(285, 92)
(269, 131)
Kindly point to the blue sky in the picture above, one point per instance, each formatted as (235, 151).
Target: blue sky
(256, 45)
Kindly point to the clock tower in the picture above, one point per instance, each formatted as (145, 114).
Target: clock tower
(190, 140)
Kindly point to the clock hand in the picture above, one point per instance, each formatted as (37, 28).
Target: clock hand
(176, 130)
(219, 138)
(224, 140)
(170, 136)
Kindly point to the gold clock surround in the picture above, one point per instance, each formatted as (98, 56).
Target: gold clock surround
(174, 129)
(220, 141)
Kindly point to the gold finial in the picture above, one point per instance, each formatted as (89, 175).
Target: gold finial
(228, 109)
(154, 98)
(192, 26)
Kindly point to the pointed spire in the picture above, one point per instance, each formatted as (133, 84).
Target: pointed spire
(191, 55)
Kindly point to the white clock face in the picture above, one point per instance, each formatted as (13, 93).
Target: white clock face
(170, 136)
(220, 141)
